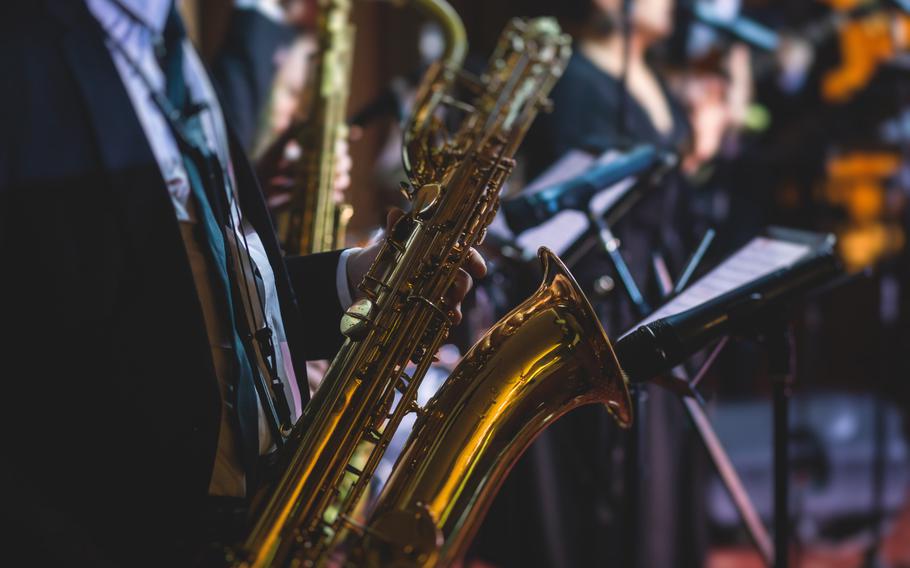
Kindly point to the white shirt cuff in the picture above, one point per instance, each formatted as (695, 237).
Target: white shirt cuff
(341, 279)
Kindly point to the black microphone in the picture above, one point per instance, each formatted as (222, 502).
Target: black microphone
(657, 347)
(527, 211)
(738, 27)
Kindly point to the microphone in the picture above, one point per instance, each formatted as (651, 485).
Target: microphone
(737, 27)
(657, 347)
(527, 211)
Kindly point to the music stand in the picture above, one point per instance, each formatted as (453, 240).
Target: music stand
(766, 254)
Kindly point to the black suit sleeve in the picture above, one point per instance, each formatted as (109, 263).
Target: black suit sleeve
(313, 279)
(245, 67)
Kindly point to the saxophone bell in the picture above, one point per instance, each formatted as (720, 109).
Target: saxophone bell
(546, 357)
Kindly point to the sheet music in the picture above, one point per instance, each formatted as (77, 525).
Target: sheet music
(562, 230)
(760, 257)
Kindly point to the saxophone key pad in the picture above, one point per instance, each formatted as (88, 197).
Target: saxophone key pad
(356, 320)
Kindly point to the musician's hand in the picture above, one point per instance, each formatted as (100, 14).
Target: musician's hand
(475, 267)
(275, 167)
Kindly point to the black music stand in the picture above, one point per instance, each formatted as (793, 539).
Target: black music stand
(600, 228)
(600, 234)
(693, 404)
(777, 338)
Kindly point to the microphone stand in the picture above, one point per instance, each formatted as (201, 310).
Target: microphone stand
(633, 465)
(601, 234)
(610, 244)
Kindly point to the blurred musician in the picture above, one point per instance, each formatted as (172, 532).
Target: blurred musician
(260, 40)
(563, 504)
(145, 294)
(611, 97)
(260, 72)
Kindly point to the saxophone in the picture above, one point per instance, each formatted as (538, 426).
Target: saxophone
(546, 357)
(394, 331)
(314, 221)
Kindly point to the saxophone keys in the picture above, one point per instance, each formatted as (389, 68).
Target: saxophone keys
(354, 525)
(372, 436)
(404, 188)
(415, 408)
(435, 306)
(357, 319)
(425, 198)
(401, 385)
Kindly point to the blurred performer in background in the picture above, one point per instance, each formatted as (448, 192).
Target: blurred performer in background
(261, 72)
(262, 38)
(151, 302)
(611, 97)
(565, 503)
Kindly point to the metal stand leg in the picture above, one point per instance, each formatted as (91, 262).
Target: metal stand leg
(781, 476)
(780, 353)
(731, 480)
(610, 244)
(633, 467)
(633, 485)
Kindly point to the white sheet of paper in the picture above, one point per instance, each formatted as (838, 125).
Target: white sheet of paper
(762, 256)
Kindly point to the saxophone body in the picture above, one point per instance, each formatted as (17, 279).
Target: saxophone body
(546, 357)
(314, 221)
(395, 330)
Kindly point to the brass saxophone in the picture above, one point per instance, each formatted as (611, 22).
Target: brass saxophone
(551, 347)
(315, 222)
(546, 357)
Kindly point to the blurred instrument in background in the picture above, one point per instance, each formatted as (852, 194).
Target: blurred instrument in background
(314, 220)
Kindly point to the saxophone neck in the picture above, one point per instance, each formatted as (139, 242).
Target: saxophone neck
(436, 81)
(456, 40)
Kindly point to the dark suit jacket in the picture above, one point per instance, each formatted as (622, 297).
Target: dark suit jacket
(110, 404)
